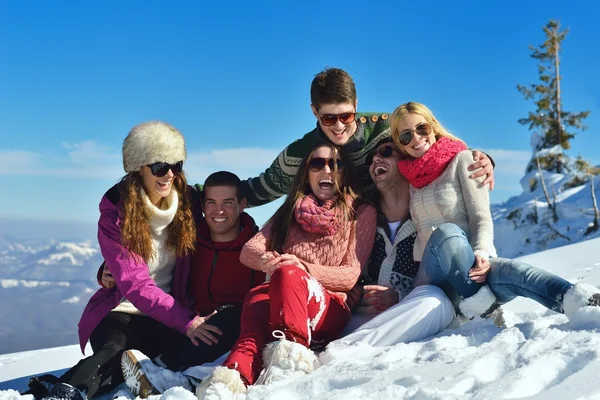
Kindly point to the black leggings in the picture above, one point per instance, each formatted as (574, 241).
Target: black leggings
(117, 332)
(185, 354)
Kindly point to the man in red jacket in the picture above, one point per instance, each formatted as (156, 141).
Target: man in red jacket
(218, 281)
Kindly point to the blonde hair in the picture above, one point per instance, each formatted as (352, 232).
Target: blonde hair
(412, 107)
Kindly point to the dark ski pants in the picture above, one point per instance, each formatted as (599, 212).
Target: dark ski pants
(185, 354)
(117, 332)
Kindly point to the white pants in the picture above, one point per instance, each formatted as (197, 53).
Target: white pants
(423, 313)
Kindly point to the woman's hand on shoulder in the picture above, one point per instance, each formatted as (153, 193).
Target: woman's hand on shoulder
(483, 167)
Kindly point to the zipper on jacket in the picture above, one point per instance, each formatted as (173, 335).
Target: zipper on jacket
(212, 271)
(252, 272)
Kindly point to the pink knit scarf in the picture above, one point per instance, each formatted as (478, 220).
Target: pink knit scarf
(424, 170)
(315, 218)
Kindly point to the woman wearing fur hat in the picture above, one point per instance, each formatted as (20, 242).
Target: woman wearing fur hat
(146, 233)
(314, 248)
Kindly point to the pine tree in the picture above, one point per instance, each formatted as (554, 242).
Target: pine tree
(589, 172)
(550, 120)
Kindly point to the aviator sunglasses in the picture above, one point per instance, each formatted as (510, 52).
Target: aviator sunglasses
(384, 152)
(316, 164)
(422, 129)
(332, 119)
(160, 169)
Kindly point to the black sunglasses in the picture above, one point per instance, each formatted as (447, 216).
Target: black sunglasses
(160, 169)
(422, 129)
(332, 119)
(384, 152)
(317, 163)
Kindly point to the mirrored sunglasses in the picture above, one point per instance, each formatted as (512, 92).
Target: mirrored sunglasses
(422, 129)
(332, 119)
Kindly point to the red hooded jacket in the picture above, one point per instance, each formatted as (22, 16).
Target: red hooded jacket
(217, 277)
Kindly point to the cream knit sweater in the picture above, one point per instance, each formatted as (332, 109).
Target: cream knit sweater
(162, 263)
(454, 197)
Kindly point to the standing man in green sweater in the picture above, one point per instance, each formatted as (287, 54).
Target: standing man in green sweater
(333, 103)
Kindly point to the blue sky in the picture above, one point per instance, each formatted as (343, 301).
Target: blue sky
(235, 78)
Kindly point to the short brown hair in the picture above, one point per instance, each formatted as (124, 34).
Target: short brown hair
(332, 86)
(225, 178)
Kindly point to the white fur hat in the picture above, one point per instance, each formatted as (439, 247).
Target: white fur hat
(150, 142)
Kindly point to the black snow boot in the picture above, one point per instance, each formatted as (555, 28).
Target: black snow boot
(64, 391)
(41, 386)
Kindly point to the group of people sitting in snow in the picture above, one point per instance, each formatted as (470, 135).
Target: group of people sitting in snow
(385, 236)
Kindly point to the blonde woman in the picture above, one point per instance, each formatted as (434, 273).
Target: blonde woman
(455, 230)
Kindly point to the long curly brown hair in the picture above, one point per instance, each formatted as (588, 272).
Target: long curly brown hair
(347, 200)
(135, 226)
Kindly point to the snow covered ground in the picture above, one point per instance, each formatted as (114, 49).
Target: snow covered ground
(541, 355)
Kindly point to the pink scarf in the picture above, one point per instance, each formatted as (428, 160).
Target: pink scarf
(315, 218)
(422, 171)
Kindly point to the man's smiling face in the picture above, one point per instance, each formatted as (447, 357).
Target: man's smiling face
(222, 210)
(383, 168)
(338, 133)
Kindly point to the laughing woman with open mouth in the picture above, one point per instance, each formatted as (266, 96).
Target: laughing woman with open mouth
(314, 248)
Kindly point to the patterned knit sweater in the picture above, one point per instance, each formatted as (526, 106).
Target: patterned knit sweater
(454, 197)
(391, 262)
(277, 179)
(335, 261)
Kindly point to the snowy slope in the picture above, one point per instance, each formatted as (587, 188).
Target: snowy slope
(541, 355)
(523, 224)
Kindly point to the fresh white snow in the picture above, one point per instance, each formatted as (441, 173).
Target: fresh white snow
(541, 355)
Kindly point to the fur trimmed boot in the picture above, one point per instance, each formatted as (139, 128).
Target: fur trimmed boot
(284, 359)
(222, 383)
(578, 296)
(478, 304)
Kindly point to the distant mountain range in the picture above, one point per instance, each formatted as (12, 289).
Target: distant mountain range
(44, 286)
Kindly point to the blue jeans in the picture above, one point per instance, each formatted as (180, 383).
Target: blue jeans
(448, 258)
